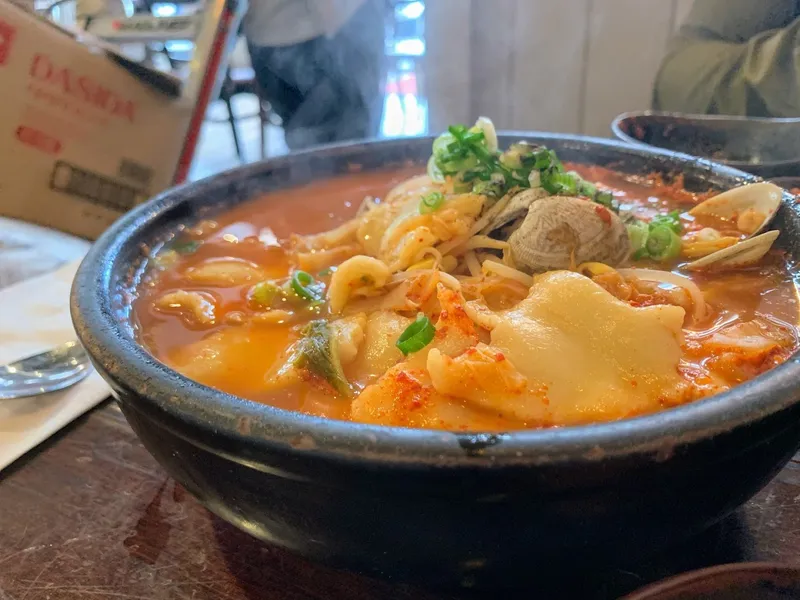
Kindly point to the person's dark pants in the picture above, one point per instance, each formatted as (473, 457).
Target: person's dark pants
(327, 89)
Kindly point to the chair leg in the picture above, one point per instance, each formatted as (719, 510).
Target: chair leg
(232, 121)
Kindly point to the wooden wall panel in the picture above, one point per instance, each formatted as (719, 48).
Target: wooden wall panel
(492, 60)
(627, 39)
(447, 67)
(553, 65)
(682, 8)
(548, 64)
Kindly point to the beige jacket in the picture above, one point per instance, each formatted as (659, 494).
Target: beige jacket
(735, 57)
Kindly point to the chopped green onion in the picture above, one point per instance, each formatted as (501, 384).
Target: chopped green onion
(460, 186)
(607, 200)
(431, 202)
(518, 156)
(671, 220)
(441, 143)
(637, 233)
(555, 163)
(545, 159)
(658, 239)
(473, 175)
(264, 293)
(327, 272)
(474, 135)
(492, 189)
(585, 188)
(416, 336)
(662, 243)
(469, 158)
(433, 171)
(302, 284)
(511, 159)
(559, 183)
(187, 247)
(489, 133)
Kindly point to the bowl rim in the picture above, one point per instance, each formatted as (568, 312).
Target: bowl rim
(676, 583)
(621, 134)
(238, 421)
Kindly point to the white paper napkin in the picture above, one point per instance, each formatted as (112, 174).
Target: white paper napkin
(28, 250)
(34, 316)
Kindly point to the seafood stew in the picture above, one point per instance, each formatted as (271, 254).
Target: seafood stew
(500, 290)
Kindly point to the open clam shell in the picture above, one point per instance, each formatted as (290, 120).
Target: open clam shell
(751, 207)
(744, 253)
(561, 231)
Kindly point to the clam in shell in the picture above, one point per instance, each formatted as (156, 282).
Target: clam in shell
(746, 252)
(752, 208)
(513, 211)
(560, 232)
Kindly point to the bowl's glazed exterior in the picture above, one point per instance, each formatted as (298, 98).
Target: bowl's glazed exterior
(433, 506)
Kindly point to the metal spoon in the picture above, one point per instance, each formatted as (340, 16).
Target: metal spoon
(56, 369)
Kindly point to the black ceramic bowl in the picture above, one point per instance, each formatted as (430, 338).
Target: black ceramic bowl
(444, 508)
(761, 146)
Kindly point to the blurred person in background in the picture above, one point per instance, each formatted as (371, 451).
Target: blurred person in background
(320, 65)
(734, 57)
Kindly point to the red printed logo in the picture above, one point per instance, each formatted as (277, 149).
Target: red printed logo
(7, 33)
(38, 139)
(80, 86)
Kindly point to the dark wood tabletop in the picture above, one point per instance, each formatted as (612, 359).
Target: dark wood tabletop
(90, 515)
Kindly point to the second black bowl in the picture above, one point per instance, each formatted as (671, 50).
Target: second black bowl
(764, 147)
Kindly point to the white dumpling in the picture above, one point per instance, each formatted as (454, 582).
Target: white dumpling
(349, 335)
(225, 273)
(378, 352)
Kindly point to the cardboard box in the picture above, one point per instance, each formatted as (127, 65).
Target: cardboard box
(84, 135)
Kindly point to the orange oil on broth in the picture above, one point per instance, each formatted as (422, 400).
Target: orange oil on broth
(301, 210)
(256, 348)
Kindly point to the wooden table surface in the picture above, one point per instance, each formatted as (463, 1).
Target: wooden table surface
(90, 515)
